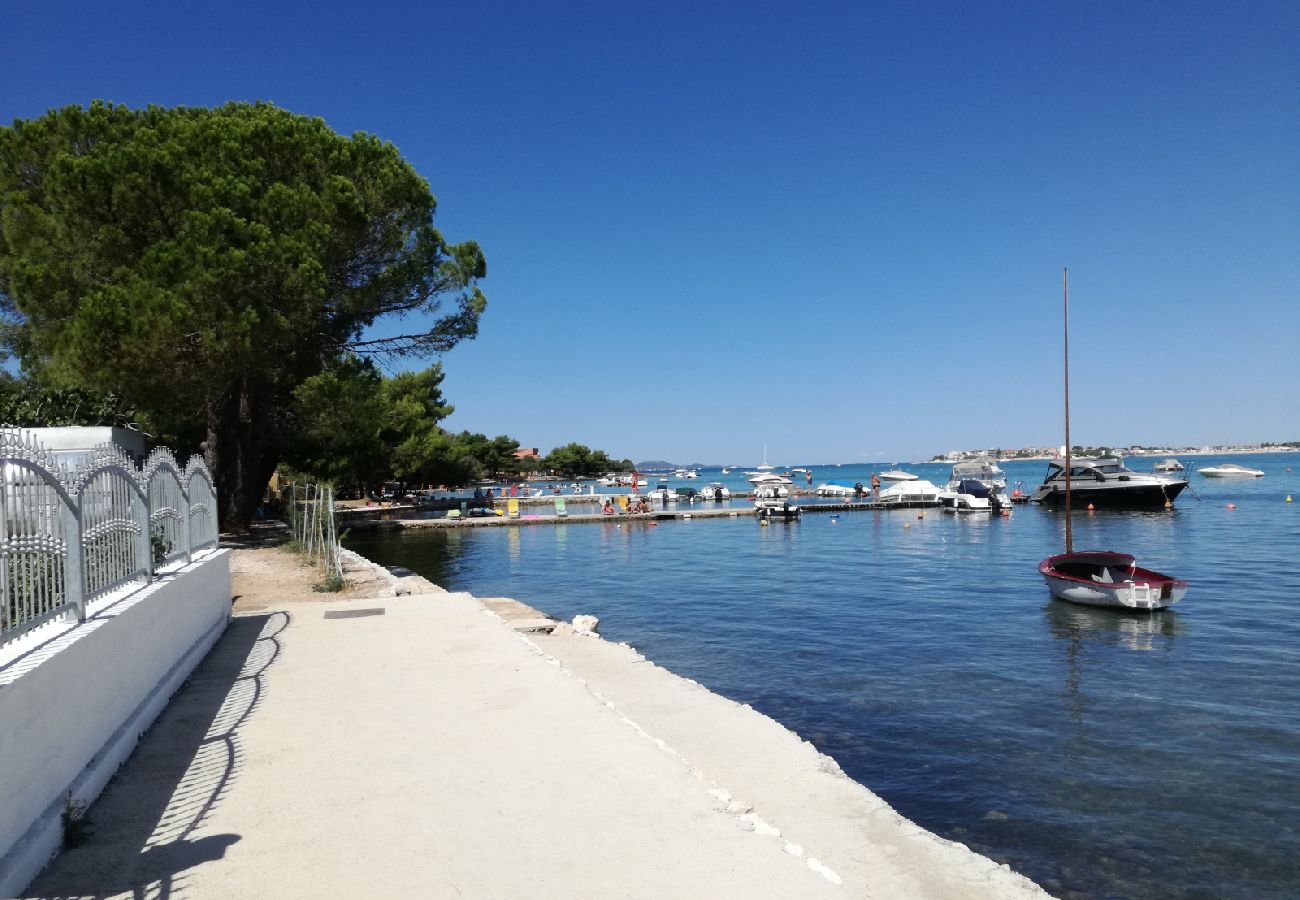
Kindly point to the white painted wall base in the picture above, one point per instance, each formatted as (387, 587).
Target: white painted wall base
(73, 707)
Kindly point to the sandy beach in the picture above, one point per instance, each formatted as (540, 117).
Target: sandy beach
(447, 746)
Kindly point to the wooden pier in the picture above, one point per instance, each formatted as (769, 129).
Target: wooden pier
(683, 513)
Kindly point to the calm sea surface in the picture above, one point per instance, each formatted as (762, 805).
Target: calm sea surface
(1103, 754)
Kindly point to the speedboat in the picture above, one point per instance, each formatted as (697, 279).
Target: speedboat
(1106, 578)
(1168, 465)
(663, 493)
(716, 491)
(897, 475)
(834, 490)
(969, 497)
(914, 493)
(1230, 470)
(1105, 483)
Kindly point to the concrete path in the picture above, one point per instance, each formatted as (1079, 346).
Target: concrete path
(428, 749)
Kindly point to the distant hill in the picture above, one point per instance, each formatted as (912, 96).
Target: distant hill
(659, 465)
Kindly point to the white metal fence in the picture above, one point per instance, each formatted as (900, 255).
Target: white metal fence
(69, 537)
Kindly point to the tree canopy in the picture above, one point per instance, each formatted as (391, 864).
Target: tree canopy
(203, 264)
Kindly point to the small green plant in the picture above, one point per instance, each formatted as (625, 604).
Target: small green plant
(294, 546)
(76, 824)
(161, 547)
(330, 584)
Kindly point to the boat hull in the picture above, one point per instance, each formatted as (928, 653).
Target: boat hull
(1146, 496)
(1129, 587)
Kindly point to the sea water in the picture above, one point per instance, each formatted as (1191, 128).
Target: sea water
(1102, 753)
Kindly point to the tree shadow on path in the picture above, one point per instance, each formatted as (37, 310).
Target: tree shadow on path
(142, 830)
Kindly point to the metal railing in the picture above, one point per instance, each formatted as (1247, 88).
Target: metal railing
(69, 537)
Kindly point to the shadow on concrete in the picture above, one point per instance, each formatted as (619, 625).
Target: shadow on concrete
(143, 828)
(261, 534)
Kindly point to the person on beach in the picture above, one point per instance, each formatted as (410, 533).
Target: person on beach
(608, 508)
(875, 486)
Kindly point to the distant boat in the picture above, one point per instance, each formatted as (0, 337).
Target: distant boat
(897, 475)
(1230, 470)
(1169, 465)
(834, 490)
(764, 467)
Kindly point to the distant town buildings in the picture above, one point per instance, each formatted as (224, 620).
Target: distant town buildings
(953, 456)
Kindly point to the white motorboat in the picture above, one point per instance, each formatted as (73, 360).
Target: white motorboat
(1106, 483)
(834, 490)
(1105, 578)
(771, 486)
(958, 502)
(772, 498)
(911, 493)
(716, 491)
(1168, 465)
(897, 475)
(976, 485)
(662, 493)
(1230, 470)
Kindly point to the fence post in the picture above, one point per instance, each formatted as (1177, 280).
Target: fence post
(74, 576)
(186, 534)
(144, 544)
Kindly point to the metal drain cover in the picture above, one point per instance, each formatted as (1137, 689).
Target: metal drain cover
(353, 613)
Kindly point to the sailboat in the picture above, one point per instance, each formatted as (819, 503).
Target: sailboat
(1101, 577)
(764, 468)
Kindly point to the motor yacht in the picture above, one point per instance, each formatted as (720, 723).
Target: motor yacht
(1105, 483)
(1169, 465)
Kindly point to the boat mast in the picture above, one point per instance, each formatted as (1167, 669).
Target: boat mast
(1069, 537)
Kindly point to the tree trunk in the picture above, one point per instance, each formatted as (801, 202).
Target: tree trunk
(237, 452)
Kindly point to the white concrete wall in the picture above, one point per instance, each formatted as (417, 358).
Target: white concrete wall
(74, 701)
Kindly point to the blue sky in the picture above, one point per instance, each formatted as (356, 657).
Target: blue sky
(837, 229)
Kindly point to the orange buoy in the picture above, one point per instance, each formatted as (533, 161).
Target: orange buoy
(1016, 492)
